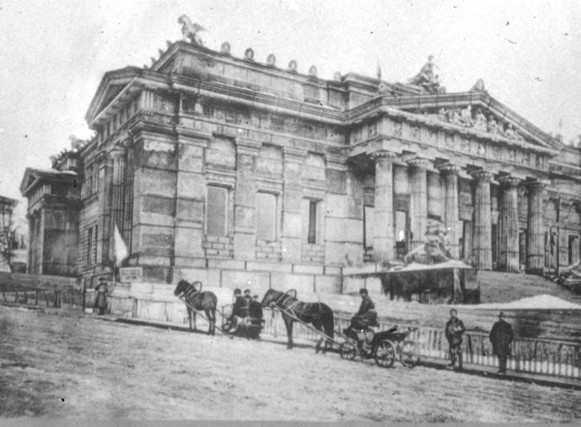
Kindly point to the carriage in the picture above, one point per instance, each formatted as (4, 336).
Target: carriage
(248, 326)
(384, 346)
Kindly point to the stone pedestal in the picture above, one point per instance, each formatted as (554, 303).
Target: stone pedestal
(419, 201)
(535, 236)
(509, 226)
(451, 216)
(292, 228)
(482, 247)
(383, 239)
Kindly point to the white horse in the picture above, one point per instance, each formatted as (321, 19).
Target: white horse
(190, 30)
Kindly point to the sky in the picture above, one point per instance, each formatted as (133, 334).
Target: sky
(54, 54)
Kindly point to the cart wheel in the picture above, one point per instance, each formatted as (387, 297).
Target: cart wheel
(385, 354)
(348, 350)
(410, 354)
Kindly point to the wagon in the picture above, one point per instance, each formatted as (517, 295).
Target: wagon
(384, 347)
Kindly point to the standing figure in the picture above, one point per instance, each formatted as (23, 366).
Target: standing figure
(101, 296)
(501, 336)
(454, 330)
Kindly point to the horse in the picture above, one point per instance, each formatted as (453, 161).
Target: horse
(196, 301)
(319, 314)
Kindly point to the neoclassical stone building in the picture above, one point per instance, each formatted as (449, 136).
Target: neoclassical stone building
(233, 171)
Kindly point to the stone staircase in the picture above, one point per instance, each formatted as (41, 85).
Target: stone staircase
(498, 287)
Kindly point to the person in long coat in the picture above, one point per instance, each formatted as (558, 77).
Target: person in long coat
(101, 296)
(501, 336)
(454, 331)
(366, 316)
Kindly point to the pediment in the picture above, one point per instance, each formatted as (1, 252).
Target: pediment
(112, 85)
(481, 114)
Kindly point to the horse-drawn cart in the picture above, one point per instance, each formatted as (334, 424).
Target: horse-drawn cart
(384, 347)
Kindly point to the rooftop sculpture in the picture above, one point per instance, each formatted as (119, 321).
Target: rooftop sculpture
(191, 29)
(427, 79)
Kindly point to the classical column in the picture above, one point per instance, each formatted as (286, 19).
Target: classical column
(383, 241)
(482, 247)
(104, 209)
(419, 201)
(451, 216)
(509, 231)
(535, 232)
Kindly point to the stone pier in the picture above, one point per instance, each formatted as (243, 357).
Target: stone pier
(482, 248)
(509, 255)
(383, 241)
(535, 243)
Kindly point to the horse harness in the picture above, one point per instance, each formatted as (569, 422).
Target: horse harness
(285, 298)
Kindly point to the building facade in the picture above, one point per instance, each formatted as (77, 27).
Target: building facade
(234, 172)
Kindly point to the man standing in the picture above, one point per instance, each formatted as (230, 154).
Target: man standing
(501, 336)
(454, 330)
(101, 296)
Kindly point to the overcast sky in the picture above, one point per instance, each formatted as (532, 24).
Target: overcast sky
(54, 53)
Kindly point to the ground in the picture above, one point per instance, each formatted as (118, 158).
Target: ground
(66, 364)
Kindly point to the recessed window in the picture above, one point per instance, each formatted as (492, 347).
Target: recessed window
(266, 216)
(311, 220)
(217, 212)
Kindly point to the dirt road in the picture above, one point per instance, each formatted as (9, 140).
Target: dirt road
(63, 364)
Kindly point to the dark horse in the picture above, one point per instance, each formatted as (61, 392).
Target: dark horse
(320, 315)
(197, 301)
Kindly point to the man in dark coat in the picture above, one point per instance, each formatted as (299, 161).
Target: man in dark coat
(454, 330)
(501, 336)
(239, 311)
(366, 316)
(255, 315)
(101, 296)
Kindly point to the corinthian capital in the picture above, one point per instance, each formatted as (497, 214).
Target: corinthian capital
(449, 168)
(383, 154)
(536, 186)
(482, 176)
(510, 181)
(419, 163)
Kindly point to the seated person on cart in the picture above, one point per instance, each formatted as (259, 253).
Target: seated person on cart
(239, 312)
(366, 316)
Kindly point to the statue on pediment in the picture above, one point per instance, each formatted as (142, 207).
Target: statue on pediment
(492, 126)
(455, 117)
(480, 121)
(511, 133)
(427, 78)
(466, 116)
(190, 30)
(479, 87)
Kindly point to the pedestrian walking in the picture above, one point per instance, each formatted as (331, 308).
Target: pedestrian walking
(101, 296)
(454, 331)
(501, 336)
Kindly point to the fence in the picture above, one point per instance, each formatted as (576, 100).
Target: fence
(538, 356)
(549, 357)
